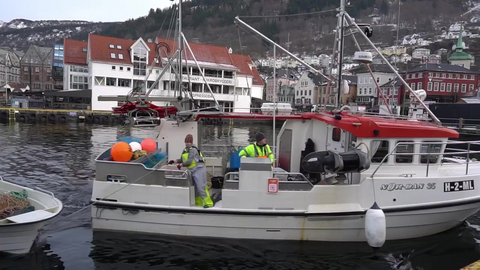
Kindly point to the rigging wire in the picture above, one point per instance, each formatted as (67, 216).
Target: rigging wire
(244, 59)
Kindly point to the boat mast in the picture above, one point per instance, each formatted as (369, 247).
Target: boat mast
(341, 19)
(274, 97)
(180, 47)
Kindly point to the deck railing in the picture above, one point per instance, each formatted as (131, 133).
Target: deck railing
(456, 151)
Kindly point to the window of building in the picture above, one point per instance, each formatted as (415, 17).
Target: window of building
(464, 88)
(150, 83)
(112, 55)
(429, 86)
(412, 85)
(84, 49)
(111, 46)
(379, 151)
(309, 92)
(99, 80)
(226, 74)
(442, 87)
(449, 87)
(139, 60)
(404, 148)
(450, 75)
(395, 91)
(369, 91)
(138, 86)
(124, 82)
(24, 69)
(120, 56)
(78, 82)
(430, 149)
(471, 87)
(419, 85)
(456, 87)
(37, 69)
(444, 75)
(128, 69)
(119, 47)
(113, 67)
(435, 87)
(121, 68)
(111, 81)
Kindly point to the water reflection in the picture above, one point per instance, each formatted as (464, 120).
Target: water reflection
(450, 250)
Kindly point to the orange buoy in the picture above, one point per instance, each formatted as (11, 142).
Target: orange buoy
(149, 145)
(122, 151)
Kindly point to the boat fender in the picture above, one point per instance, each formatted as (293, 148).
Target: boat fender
(96, 119)
(89, 118)
(32, 116)
(62, 118)
(375, 226)
(4, 115)
(51, 117)
(105, 120)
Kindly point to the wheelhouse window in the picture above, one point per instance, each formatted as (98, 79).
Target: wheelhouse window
(336, 134)
(430, 148)
(379, 150)
(404, 147)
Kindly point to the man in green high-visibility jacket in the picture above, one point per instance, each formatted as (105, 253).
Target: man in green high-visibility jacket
(259, 149)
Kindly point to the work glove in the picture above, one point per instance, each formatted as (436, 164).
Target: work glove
(171, 162)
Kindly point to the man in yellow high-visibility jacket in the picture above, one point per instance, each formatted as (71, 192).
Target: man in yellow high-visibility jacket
(259, 149)
(192, 158)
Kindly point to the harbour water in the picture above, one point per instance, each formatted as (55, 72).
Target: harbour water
(60, 158)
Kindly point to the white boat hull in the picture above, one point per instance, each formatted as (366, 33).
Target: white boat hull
(19, 232)
(338, 228)
(19, 239)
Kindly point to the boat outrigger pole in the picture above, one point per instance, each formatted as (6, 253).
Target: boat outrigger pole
(430, 113)
(237, 20)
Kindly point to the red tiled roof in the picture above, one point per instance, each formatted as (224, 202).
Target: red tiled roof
(100, 49)
(243, 62)
(73, 51)
(257, 80)
(202, 52)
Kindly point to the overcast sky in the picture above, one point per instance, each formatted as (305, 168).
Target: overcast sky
(89, 10)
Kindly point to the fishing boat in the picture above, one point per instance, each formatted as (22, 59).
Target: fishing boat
(19, 232)
(339, 175)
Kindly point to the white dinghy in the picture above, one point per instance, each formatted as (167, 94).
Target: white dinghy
(19, 232)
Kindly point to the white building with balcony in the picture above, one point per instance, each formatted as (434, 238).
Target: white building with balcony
(112, 67)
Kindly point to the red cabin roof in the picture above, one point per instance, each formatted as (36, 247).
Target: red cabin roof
(360, 126)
